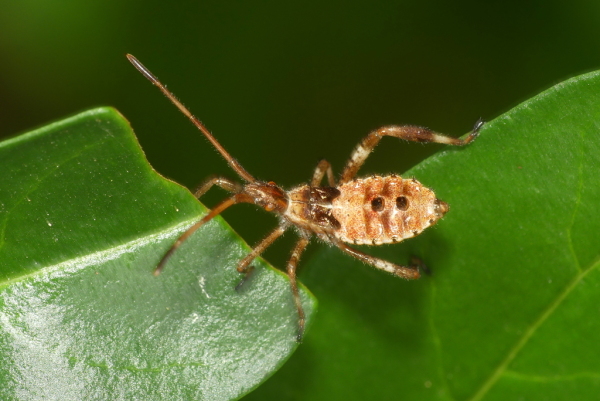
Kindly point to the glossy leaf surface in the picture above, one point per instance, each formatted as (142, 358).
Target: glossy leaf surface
(83, 221)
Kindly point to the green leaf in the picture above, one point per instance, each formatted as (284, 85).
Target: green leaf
(83, 222)
(512, 308)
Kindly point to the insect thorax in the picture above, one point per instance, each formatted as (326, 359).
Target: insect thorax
(310, 208)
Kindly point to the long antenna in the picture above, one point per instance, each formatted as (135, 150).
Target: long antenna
(235, 165)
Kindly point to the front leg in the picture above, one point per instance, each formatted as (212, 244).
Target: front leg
(222, 182)
(208, 217)
(406, 132)
(244, 264)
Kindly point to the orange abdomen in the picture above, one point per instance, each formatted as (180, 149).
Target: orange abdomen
(379, 210)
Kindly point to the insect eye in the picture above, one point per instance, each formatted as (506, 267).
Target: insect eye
(377, 204)
(402, 203)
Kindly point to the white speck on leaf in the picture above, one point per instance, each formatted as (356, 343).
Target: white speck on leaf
(202, 282)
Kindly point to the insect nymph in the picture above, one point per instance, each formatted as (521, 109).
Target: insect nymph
(370, 211)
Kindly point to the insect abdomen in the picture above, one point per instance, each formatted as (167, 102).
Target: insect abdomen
(380, 210)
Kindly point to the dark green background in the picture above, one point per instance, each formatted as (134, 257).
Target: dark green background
(283, 84)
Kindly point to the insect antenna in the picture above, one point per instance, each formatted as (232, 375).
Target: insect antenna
(233, 163)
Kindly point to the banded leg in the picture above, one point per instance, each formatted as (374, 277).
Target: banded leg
(244, 264)
(211, 214)
(406, 132)
(323, 167)
(291, 271)
(405, 272)
(222, 182)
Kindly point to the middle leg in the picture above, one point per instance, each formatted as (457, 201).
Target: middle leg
(291, 271)
(322, 168)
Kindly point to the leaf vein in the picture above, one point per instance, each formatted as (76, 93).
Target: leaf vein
(514, 351)
(551, 378)
(438, 345)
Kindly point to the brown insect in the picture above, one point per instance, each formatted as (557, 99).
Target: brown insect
(370, 211)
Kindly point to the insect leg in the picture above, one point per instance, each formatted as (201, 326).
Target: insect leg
(244, 264)
(222, 182)
(213, 213)
(323, 167)
(260, 248)
(406, 132)
(406, 272)
(291, 271)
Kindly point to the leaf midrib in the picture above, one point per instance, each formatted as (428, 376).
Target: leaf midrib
(104, 254)
(527, 334)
